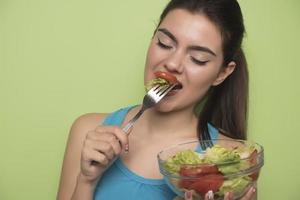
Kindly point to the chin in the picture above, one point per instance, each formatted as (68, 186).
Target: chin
(164, 107)
(167, 106)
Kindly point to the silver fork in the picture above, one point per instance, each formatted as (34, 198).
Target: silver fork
(153, 96)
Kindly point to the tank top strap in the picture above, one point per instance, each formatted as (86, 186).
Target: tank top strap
(116, 118)
(213, 132)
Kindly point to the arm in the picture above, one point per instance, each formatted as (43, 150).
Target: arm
(84, 189)
(91, 149)
(71, 181)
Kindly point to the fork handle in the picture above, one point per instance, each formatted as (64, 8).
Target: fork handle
(132, 121)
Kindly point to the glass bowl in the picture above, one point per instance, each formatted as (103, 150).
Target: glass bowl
(229, 166)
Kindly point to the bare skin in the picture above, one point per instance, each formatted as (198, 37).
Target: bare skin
(72, 180)
(173, 117)
(71, 176)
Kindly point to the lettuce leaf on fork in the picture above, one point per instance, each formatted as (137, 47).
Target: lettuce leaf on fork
(156, 81)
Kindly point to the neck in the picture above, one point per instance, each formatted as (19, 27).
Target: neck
(182, 123)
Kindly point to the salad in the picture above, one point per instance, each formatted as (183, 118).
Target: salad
(161, 78)
(215, 169)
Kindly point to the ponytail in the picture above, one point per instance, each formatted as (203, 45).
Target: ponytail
(226, 105)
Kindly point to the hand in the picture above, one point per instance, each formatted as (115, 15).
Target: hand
(250, 195)
(101, 147)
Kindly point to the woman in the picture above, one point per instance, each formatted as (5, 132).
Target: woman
(199, 42)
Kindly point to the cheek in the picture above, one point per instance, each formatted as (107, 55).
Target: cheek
(202, 77)
(152, 55)
(150, 58)
(154, 60)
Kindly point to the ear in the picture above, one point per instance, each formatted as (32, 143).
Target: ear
(224, 73)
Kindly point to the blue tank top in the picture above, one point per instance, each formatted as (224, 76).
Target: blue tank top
(119, 182)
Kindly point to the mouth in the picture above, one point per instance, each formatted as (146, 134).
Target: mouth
(175, 90)
(178, 86)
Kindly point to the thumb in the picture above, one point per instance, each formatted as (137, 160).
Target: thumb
(209, 195)
(188, 195)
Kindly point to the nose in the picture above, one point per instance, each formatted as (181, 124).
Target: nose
(174, 62)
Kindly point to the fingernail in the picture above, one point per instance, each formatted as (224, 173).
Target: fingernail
(227, 194)
(253, 189)
(210, 195)
(126, 148)
(188, 195)
(230, 195)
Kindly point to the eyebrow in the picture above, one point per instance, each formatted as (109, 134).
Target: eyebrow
(201, 48)
(166, 32)
(197, 48)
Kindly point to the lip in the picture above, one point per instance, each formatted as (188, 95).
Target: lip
(173, 92)
(178, 82)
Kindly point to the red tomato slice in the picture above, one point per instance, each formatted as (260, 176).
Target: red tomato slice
(167, 76)
(253, 161)
(186, 184)
(254, 176)
(198, 171)
(204, 184)
(209, 178)
(253, 157)
(209, 182)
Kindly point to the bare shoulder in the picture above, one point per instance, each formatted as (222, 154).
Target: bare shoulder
(223, 137)
(80, 128)
(87, 122)
(71, 163)
(227, 141)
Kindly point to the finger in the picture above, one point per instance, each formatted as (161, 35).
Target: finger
(251, 193)
(102, 147)
(92, 155)
(101, 136)
(117, 148)
(209, 195)
(109, 138)
(228, 196)
(121, 139)
(119, 134)
(188, 195)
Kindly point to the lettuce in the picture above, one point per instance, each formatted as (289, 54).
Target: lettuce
(172, 165)
(218, 154)
(236, 185)
(154, 82)
(228, 161)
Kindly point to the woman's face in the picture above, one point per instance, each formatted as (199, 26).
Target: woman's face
(189, 46)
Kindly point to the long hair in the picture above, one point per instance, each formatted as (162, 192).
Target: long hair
(225, 105)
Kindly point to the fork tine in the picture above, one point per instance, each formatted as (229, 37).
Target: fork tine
(165, 90)
(154, 88)
(162, 89)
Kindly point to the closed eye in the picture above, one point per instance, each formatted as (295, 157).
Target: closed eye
(162, 45)
(199, 62)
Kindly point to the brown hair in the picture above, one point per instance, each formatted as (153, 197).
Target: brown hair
(225, 105)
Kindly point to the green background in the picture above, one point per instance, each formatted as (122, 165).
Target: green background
(60, 59)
